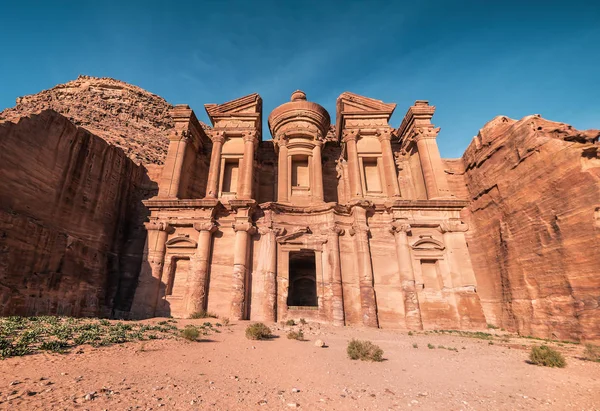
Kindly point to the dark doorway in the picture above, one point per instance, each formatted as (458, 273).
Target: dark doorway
(303, 279)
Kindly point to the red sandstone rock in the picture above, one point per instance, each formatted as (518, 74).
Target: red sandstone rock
(535, 194)
(124, 115)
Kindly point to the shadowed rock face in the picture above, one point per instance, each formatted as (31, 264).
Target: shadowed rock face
(534, 187)
(125, 116)
(71, 217)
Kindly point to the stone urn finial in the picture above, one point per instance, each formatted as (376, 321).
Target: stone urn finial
(298, 95)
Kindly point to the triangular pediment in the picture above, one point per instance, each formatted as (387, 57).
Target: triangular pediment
(353, 103)
(250, 104)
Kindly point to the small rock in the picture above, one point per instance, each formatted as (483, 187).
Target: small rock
(422, 394)
(15, 382)
(295, 390)
(320, 343)
(293, 405)
(90, 396)
(262, 402)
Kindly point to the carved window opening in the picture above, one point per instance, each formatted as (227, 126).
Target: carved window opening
(431, 275)
(178, 276)
(302, 279)
(230, 176)
(300, 172)
(371, 175)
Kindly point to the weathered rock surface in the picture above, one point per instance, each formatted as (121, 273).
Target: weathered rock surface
(124, 115)
(534, 241)
(71, 231)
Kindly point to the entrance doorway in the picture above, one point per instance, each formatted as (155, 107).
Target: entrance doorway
(303, 279)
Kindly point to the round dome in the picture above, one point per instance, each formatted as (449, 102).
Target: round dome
(299, 117)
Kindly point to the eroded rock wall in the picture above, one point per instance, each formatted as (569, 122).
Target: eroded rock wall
(534, 240)
(71, 233)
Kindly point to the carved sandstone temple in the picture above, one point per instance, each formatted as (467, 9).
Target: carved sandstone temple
(354, 223)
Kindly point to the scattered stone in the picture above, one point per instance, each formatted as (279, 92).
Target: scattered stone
(295, 390)
(320, 343)
(293, 405)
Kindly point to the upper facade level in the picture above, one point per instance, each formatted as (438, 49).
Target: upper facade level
(309, 161)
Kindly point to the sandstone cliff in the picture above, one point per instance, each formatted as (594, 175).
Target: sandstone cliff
(125, 116)
(71, 233)
(534, 241)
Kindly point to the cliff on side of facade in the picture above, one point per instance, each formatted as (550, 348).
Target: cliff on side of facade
(534, 187)
(71, 230)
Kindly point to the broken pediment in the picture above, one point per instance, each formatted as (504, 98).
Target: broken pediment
(428, 244)
(355, 111)
(244, 112)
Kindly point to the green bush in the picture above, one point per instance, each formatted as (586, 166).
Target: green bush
(364, 350)
(296, 335)
(290, 323)
(190, 333)
(431, 346)
(591, 353)
(546, 356)
(202, 314)
(258, 331)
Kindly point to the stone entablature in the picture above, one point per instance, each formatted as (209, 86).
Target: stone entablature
(377, 256)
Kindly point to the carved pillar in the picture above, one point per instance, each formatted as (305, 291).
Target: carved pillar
(248, 171)
(350, 138)
(196, 292)
(171, 175)
(412, 310)
(146, 293)
(337, 293)
(317, 172)
(459, 260)
(360, 231)
(436, 183)
(282, 176)
(212, 188)
(243, 230)
(268, 258)
(389, 166)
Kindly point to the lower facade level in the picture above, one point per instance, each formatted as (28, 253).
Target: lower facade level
(403, 264)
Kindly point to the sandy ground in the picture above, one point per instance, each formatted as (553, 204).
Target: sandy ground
(229, 372)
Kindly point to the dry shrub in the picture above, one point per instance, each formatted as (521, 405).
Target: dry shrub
(296, 335)
(591, 353)
(258, 331)
(546, 356)
(202, 314)
(364, 350)
(190, 333)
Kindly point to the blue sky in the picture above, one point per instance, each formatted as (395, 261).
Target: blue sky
(472, 59)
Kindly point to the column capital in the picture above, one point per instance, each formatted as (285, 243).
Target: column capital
(332, 230)
(278, 231)
(400, 227)
(249, 136)
(157, 225)
(218, 137)
(426, 133)
(359, 228)
(384, 134)
(350, 135)
(244, 226)
(209, 226)
(454, 225)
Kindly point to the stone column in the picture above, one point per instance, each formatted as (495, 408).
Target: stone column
(436, 183)
(389, 165)
(350, 138)
(317, 170)
(412, 310)
(360, 231)
(198, 277)
(243, 230)
(146, 293)
(337, 298)
(248, 171)
(212, 188)
(171, 174)
(282, 172)
(268, 257)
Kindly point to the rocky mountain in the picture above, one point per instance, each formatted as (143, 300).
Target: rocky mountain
(122, 114)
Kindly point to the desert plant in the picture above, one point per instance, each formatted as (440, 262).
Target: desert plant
(290, 322)
(303, 321)
(258, 331)
(202, 314)
(492, 327)
(591, 353)
(364, 350)
(431, 346)
(190, 333)
(296, 335)
(225, 321)
(546, 356)
(415, 345)
(410, 333)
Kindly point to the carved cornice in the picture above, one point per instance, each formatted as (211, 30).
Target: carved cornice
(451, 226)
